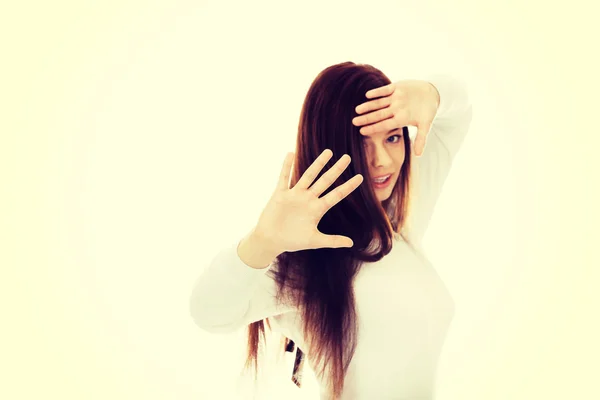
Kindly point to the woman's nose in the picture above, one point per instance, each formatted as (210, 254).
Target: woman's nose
(382, 158)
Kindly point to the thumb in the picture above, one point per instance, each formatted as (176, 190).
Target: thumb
(334, 241)
(422, 131)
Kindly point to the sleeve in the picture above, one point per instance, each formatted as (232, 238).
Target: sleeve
(448, 130)
(229, 294)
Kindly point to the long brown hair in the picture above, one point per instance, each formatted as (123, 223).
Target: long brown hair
(320, 281)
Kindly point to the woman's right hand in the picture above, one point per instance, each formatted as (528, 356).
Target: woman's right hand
(290, 218)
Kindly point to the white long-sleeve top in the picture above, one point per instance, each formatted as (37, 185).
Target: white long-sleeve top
(404, 309)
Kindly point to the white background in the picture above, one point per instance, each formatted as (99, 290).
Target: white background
(147, 136)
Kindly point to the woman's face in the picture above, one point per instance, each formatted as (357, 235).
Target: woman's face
(385, 156)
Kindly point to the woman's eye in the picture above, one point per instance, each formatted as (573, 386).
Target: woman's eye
(395, 136)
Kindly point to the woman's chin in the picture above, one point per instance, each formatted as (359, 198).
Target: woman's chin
(383, 195)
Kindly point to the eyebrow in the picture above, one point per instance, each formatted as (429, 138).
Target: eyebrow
(390, 132)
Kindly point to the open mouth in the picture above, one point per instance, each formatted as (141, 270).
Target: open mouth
(382, 182)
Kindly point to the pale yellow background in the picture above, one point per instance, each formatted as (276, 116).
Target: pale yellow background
(139, 137)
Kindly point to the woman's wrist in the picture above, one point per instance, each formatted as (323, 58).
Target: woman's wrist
(256, 251)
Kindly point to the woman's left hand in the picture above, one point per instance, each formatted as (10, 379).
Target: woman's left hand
(399, 104)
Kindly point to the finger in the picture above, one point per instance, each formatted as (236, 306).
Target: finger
(421, 138)
(382, 126)
(373, 117)
(416, 145)
(332, 241)
(419, 145)
(284, 176)
(423, 129)
(340, 192)
(373, 105)
(313, 171)
(381, 91)
(330, 176)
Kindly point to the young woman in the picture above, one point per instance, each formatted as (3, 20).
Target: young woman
(335, 261)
